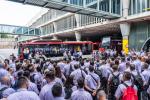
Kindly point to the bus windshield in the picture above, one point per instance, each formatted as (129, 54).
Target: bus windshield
(105, 43)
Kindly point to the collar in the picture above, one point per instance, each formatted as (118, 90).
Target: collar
(59, 98)
(91, 72)
(127, 81)
(21, 89)
(81, 89)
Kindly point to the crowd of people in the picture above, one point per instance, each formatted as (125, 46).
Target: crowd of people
(108, 77)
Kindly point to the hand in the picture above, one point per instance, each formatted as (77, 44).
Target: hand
(94, 93)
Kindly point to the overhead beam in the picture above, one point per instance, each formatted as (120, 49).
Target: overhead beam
(60, 5)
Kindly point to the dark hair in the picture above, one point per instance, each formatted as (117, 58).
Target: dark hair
(148, 61)
(21, 81)
(80, 82)
(57, 90)
(132, 67)
(145, 66)
(6, 60)
(69, 82)
(115, 67)
(123, 59)
(82, 63)
(91, 68)
(26, 74)
(37, 61)
(58, 72)
(76, 66)
(117, 62)
(38, 69)
(92, 63)
(127, 75)
(20, 74)
(18, 67)
(50, 75)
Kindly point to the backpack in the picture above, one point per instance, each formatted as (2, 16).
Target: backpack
(1, 92)
(114, 82)
(138, 81)
(129, 93)
(68, 92)
(99, 73)
(32, 78)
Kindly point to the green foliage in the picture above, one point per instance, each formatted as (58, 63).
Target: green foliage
(4, 35)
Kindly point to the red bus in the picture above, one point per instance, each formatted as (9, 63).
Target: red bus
(56, 48)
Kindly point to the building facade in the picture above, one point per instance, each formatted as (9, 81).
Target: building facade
(133, 26)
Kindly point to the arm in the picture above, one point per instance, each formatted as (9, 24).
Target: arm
(98, 84)
(118, 93)
(86, 86)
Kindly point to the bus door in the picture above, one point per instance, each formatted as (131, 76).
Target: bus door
(95, 46)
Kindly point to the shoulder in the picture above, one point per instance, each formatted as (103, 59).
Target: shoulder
(32, 93)
(45, 88)
(95, 75)
(76, 92)
(87, 76)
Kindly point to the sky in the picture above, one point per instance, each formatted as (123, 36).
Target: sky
(18, 14)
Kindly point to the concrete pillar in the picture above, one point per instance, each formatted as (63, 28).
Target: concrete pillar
(78, 36)
(125, 31)
(77, 17)
(125, 7)
(55, 27)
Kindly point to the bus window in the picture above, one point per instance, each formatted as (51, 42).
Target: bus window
(105, 44)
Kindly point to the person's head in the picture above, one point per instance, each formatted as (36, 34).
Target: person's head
(6, 81)
(22, 82)
(57, 90)
(126, 76)
(116, 62)
(26, 74)
(6, 61)
(111, 64)
(134, 58)
(128, 59)
(123, 59)
(18, 67)
(31, 68)
(145, 66)
(58, 72)
(92, 63)
(76, 66)
(127, 64)
(103, 62)
(50, 76)
(20, 74)
(80, 82)
(69, 82)
(91, 68)
(132, 67)
(82, 63)
(38, 69)
(101, 95)
(37, 61)
(68, 61)
(115, 67)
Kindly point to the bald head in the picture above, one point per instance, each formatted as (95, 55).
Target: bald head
(5, 80)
